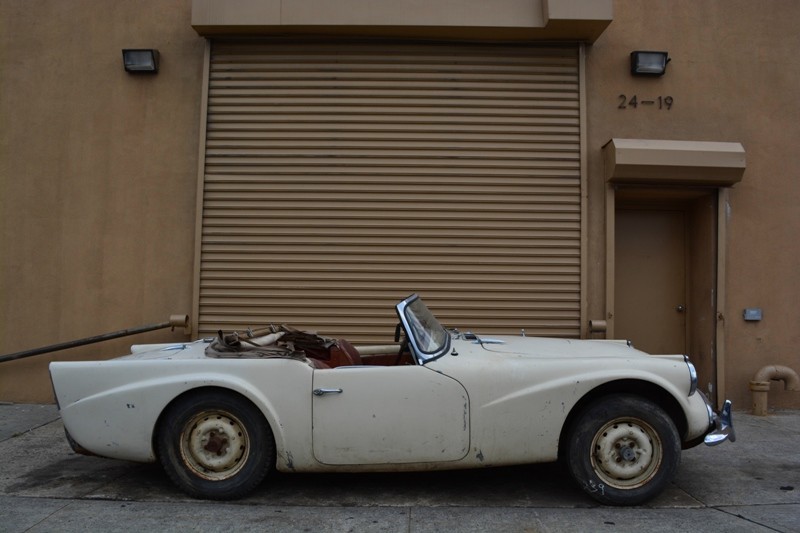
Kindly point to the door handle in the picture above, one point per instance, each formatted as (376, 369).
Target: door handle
(681, 308)
(322, 392)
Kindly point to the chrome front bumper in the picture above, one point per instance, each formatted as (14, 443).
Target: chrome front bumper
(722, 425)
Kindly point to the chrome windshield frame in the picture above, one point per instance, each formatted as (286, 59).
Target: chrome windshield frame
(427, 338)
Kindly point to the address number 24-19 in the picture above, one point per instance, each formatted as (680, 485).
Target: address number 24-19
(661, 102)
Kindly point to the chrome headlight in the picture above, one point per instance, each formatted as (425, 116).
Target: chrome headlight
(692, 375)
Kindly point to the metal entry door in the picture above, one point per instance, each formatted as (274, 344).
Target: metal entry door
(650, 279)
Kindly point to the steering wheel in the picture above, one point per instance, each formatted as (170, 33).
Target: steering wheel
(398, 332)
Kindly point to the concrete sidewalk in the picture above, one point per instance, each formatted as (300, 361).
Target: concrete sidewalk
(751, 485)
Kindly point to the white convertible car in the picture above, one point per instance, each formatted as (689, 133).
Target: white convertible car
(221, 414)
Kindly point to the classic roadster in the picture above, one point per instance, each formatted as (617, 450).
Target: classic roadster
(221, 414)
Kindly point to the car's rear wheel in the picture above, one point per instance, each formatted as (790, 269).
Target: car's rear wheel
(623, 450)
(215, 445)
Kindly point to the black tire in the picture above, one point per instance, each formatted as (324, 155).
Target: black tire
(215, 445)
(623, 450)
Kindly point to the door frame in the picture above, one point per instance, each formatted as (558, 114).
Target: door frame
(681, 164)
(719, 286)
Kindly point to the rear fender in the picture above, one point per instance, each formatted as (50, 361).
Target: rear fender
(117, 417)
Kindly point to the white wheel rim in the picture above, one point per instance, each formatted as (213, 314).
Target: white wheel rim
(214, 445)
(626, 453)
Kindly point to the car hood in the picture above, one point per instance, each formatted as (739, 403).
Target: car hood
(539, 347)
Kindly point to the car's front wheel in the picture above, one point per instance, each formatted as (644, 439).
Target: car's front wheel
(215, 445)
(623, 450)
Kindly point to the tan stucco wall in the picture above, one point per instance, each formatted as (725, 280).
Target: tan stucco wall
(98, 167)
(98, 173)
(733, 77)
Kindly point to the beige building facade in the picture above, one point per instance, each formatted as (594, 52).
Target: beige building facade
(311, 162)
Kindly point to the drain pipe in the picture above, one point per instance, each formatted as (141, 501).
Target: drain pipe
(761, 381)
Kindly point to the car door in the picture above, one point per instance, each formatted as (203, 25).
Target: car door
(388, 415)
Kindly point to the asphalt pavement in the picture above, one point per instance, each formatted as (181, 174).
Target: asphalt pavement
(751, 485)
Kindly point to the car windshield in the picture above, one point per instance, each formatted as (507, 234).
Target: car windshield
(426, 335)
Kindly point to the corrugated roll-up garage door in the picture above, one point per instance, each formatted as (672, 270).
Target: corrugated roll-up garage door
(339, 178)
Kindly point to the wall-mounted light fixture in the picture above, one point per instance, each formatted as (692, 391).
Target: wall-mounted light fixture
(645, 63)
(140, 60)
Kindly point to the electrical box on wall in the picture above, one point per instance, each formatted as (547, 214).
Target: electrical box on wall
(752, 314)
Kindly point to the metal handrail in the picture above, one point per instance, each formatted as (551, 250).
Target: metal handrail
(175, 321)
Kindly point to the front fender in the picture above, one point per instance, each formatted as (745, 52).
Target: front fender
(520, 405)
